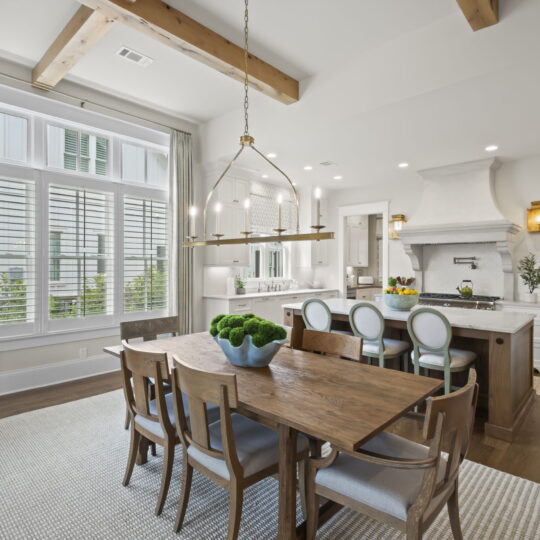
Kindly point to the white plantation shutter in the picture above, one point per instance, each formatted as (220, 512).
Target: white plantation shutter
(17, 252)
(13, 137)
(145, 255)
(80, 253)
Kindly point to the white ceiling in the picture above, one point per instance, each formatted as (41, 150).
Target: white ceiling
(381, 82)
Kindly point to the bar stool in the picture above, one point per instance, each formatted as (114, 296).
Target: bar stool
(317, 316)
(367, 322)
(431, 333)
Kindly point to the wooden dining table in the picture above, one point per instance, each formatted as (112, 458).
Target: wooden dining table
(342, 402)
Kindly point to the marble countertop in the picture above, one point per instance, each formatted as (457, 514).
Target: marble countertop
(289, 292)
(491, 321)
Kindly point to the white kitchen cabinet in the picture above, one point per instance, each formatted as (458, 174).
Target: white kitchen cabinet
(357, 241)
(367, 294)
(232, 191)
(268, 306)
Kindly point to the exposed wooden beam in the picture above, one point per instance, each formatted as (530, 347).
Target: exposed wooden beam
(480, 13)
(175, 29)
(79, 35)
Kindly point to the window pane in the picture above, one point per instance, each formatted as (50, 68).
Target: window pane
(133, 163)
(17, 265)
(13, 137)
(83, 258)
(275, 260)
(145, 255)
(157, 165)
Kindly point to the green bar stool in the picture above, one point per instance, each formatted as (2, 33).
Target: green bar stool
(431, 334)
(317, 316)
(367, 322)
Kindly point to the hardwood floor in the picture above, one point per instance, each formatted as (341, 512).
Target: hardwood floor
(520, 457)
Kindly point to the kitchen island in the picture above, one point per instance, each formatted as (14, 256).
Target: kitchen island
(502, 340)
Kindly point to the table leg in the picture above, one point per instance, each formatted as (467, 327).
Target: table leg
(287, 483)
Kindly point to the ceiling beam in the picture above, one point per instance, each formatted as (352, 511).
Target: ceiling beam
(79, 35)
(480, 13)
(175, 29)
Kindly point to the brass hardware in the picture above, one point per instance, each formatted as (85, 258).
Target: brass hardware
(262, 239)
(533, 217)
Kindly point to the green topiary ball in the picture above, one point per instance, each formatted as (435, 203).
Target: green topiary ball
(266, 328)
(236, 336)
(213, 330)
(223, 322)
(279, 333)
(248, 316)
(224, 333)
(259, 340)
(216, 319)
(251, 326)
(236, 321)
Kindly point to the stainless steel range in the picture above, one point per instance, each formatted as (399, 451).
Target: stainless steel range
(454, 300)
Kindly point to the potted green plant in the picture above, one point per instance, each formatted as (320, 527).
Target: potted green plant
(239, 285)
(247, 340)
(530, 275)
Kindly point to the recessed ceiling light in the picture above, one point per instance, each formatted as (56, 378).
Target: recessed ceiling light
(265, 176)
(271, 155)
(308, 168)
(491, 148)
(294, 183)
(403, 165)
(338, 177)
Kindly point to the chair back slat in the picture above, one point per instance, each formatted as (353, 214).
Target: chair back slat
(149, 329)
(138, 367)
(339, 345)
(316, 315)
(204, 388)
(459, 410)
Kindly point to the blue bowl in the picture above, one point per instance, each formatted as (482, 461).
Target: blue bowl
(401, 302)
(247, 355)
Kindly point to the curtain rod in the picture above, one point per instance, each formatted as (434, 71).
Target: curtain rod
(83, 101)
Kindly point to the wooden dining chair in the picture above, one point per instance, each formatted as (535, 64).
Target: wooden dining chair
(431, 334)
(151, 418)
(331, 344)
(367, 322)
(397, 481)
(235, 452)
(147, 330)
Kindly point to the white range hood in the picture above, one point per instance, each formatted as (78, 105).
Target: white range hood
(458, 207)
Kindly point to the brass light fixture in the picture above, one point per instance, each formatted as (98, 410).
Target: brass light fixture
(396, 224)
(247, 141)
(533, 217)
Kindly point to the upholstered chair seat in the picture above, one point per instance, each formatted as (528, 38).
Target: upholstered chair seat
(257, 447)
(392, 491)
(458, 358)
(392, 347)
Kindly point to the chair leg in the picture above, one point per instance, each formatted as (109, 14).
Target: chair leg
(312, 503)
(133, 450)
(447, 381)
(127, 420)
(453, 514)
(236, 495)
(187, 476)
(405, 358)
(153, 449)
(168, 460)
(381, 361)
(413, 531)
(302, 472)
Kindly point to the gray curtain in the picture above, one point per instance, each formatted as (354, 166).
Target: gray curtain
(181, 192)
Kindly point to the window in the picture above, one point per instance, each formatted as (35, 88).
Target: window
(145, 255)
(13, 137)
(268, 260)
(82, 261)
(17, 268)
(74, 150)
(144, 165)
(275, 260)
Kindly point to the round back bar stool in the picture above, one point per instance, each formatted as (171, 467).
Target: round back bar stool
(431, 334)
(317, 316)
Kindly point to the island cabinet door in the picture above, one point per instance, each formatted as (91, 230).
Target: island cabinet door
(267, 308)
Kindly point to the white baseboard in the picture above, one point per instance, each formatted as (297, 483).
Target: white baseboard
(59, 372)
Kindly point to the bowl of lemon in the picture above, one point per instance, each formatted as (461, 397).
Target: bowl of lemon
(400, 298)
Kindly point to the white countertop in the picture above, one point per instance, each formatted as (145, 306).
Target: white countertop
(289, 292)
(491, 321)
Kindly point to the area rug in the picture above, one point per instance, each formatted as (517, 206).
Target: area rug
(61, 470)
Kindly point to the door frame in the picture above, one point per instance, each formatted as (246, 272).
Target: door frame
(377, 207)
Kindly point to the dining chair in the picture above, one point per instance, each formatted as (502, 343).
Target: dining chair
(431, 334)
(396, 481)
(151, 418)
(367, 322)
(338, 345)
(234, 452)
(148, 330)
(317, 316)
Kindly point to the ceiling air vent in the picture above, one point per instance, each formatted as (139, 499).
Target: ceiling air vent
(134, 56)
(327, 163)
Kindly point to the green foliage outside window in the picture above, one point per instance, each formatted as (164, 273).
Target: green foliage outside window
(13, 301)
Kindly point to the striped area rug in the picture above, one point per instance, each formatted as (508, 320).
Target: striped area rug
(61, 471)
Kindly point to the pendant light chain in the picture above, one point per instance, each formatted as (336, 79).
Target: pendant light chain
(246, 100)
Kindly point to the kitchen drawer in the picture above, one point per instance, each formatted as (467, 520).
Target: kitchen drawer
(241, 306)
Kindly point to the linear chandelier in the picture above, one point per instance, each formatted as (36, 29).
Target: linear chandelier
(247, 141)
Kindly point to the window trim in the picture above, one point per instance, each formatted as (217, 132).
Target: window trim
(29, 135)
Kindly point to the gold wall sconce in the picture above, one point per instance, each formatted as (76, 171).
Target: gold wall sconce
(533, 217)
(395, 225)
